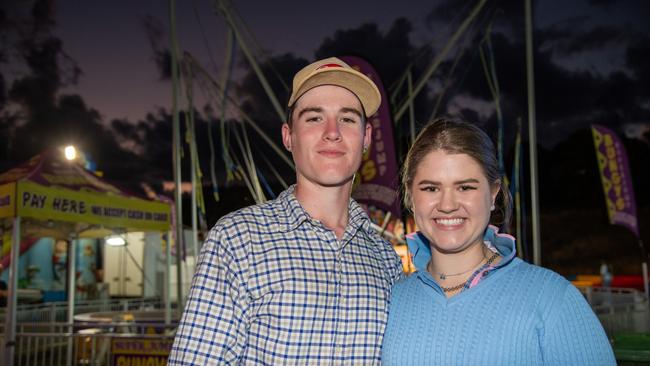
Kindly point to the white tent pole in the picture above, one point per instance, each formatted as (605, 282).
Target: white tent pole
(9, 346)
(168, 275)
(194, 156)
(532, 136)
(72, 258)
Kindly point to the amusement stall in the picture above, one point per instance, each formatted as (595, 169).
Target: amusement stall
(51, 197)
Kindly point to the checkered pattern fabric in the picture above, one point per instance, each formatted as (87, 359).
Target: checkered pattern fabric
(275, 287)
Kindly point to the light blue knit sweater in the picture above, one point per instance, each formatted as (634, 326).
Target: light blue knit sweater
(520, 314)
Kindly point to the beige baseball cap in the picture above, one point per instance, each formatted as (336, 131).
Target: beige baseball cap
(333, 71)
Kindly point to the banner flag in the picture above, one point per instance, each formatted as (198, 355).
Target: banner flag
(616, 178)
(378, 175)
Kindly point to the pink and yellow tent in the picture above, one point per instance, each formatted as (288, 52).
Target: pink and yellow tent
(56, 198)
(49, 196)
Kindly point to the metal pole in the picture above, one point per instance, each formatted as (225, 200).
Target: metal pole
(9, 346)
(177, 153)
(409, 80)
(72, 258)
(246, 118)
(532, 136)
(644, 268)
(194, 158)
(439, 58)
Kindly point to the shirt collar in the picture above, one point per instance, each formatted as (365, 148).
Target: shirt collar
(293, 214)
(420, 250)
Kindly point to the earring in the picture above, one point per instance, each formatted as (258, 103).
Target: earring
(365, 149)
(492, 207)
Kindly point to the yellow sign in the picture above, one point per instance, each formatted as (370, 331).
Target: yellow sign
(123, 360)
(141, 352)
(51, 203)
(7, 200)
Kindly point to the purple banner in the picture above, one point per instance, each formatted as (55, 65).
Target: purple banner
(378, 175)
(616, 179)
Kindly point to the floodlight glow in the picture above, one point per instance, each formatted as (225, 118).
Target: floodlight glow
(70, 152)
(115, 240)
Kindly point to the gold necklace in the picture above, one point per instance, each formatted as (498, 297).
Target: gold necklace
(444, 276)
(461, 285)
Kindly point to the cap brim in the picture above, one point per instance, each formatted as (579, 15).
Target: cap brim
(359, 84)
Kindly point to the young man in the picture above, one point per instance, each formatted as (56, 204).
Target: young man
(302, 279)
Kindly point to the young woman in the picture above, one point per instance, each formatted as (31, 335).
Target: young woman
(471, 300)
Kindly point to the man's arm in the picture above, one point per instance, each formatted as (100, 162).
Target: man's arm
(212, 329)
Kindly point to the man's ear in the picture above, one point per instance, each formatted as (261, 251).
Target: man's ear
(367, 137)
(286, 136)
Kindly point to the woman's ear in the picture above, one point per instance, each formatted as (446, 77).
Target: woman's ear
(494, 192)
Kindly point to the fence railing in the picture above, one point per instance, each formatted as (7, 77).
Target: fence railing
(620, 310)
(44, 337)
(58, 311)
(126, 343)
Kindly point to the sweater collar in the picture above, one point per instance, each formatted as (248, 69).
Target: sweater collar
(420, 249)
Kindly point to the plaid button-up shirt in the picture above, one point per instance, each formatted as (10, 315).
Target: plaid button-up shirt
(274, 286)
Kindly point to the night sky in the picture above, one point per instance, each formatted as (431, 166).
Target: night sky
(120, 79)
(108, 41)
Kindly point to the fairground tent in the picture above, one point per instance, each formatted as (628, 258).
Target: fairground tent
(49, 196)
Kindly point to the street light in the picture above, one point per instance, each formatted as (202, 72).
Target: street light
(70, 152)
(115, 241)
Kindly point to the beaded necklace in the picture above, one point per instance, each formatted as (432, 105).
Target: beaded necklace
(459, 286)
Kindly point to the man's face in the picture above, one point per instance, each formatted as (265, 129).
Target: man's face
(327, 136)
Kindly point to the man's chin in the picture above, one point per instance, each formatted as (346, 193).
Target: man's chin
(333, 183)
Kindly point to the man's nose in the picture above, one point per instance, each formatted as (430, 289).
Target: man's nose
(332, 129)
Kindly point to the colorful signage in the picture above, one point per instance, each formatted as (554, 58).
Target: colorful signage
(378, 174)
(141, 351)
(616, 179)
(53, 203)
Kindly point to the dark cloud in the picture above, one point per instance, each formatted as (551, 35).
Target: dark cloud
(637, 58)
(509, 14)
(567, 99)
(567, 40)
(161, 55)
(255, 102)
(392, 55)
(603, 2)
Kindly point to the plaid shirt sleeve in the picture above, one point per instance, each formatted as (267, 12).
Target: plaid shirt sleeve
(212, 329)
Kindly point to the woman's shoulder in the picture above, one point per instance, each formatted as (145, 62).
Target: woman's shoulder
(536, 274)
(543, 285)
(407, 284)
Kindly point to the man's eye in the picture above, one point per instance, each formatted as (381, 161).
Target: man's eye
(313, 119)
(348, 120)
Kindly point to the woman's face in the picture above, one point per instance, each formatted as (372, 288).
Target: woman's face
(451, 200)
